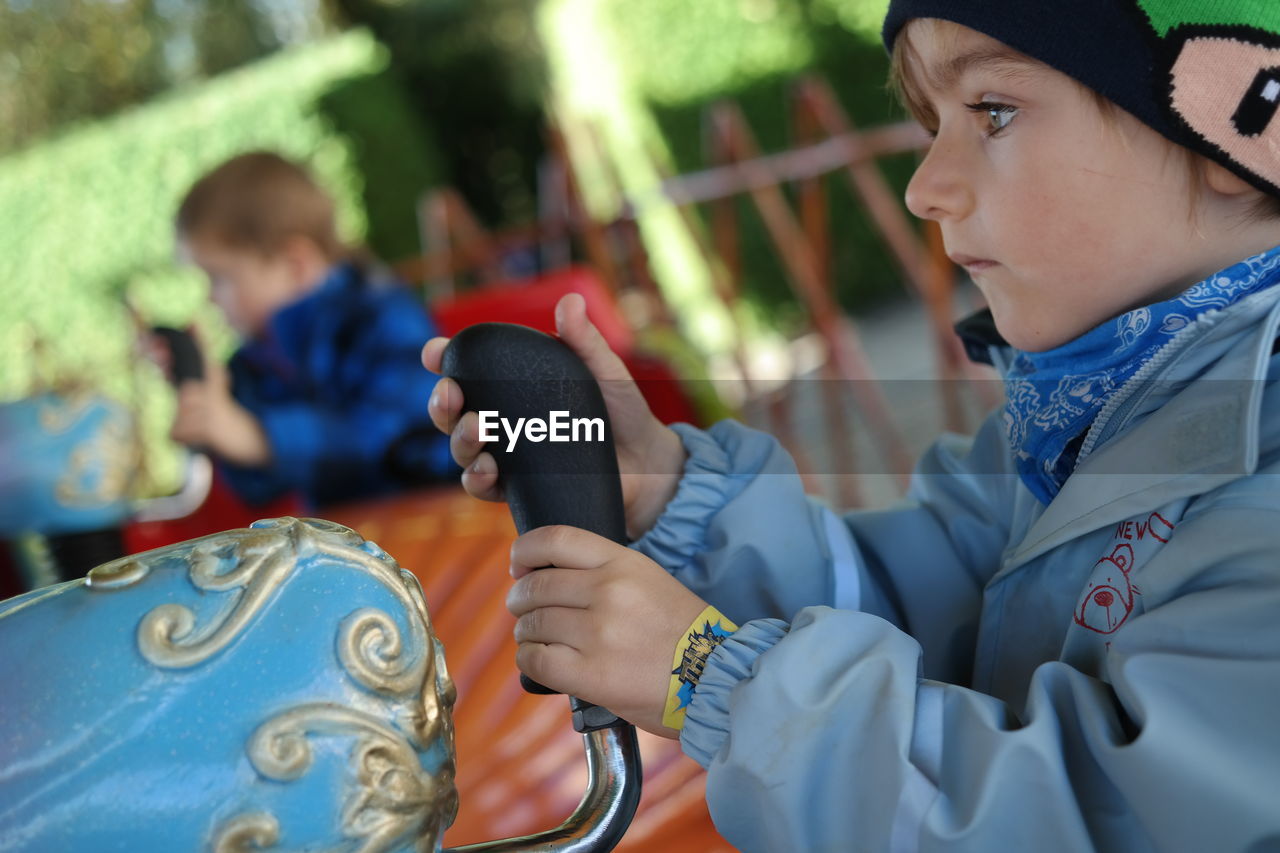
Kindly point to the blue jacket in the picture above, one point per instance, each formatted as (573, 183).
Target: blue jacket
(338, 385)
(975, 671)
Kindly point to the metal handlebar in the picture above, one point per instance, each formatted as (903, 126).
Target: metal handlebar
(519, 371)
(599, 821)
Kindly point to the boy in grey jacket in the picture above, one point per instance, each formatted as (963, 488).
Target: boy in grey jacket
(1068, 637)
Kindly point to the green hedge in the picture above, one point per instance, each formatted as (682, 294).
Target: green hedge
(85, 218)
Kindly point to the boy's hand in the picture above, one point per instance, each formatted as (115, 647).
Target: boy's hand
(211, 421)
(650, 455)
(209, 418)
(601, 624)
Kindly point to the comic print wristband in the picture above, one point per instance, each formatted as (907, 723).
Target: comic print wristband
(709, 630)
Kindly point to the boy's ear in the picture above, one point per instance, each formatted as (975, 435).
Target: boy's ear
(1225, 182)
(306, 261)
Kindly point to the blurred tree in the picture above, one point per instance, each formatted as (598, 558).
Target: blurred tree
(68, 60)
(229, 33)
(475, 70)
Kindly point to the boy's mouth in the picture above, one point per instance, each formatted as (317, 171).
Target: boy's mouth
(972, 264)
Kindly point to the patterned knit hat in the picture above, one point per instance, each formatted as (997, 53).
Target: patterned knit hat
(1204, 73)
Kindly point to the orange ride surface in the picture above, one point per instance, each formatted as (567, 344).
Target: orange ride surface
(520, 763)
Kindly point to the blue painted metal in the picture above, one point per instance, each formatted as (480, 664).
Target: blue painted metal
(276, 687)
(68, 462)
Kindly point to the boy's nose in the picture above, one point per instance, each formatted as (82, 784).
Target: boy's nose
(938, 190)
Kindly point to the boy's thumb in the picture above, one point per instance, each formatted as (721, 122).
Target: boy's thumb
(585, 339)
(570, 307)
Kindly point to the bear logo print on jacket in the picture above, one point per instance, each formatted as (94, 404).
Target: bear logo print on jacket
(1110, 594)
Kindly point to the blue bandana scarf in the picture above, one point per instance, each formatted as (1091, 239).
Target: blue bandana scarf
(1054, 396)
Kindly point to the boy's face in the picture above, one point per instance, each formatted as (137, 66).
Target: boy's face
(247, 285)
(1063, 216)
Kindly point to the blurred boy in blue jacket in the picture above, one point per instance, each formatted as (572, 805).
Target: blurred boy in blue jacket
(1068, 636)
(325, 395)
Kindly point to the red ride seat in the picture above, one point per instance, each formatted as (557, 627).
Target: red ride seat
(531, 302)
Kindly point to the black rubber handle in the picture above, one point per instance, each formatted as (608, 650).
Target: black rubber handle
(184, 355)
(516, 372)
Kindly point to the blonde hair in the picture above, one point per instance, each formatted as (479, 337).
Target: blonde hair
(258, 201)
(905, 84)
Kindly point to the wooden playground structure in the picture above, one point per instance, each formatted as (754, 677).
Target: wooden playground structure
(827, 148)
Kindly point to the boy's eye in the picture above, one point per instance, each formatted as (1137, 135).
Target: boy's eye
(998, 115)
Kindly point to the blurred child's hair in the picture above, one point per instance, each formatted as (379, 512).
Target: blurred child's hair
(258, 201)
(906, 85)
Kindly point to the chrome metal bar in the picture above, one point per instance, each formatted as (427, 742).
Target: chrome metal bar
(196, 486)
(597, 824)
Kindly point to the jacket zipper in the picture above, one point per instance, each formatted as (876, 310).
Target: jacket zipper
(1114, 412)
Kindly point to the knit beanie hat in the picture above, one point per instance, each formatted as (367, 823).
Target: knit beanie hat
(1204, 73)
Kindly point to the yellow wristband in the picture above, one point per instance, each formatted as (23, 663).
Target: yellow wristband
(709, 630)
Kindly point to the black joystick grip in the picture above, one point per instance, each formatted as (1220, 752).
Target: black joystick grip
(184, 355)
(564, 471)
(515, 372)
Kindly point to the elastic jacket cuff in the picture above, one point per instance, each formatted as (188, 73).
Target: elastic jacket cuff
(706, 723)
(708, 483)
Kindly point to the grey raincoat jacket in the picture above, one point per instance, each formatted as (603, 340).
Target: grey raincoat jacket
(975, 671)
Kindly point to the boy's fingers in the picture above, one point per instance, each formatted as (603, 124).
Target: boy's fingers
(556, 666)
(157, 350)
(585, 339)
(191, 394)
(480, 479)
(444, 405)
(433, 353)
(216, 378)
(548, 588)
(567, 626)
(563, 546)
(464, 440)
(201, 340)
(480, 471)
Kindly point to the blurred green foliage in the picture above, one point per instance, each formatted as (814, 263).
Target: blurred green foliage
(394, 155)
(684, 53)
(475, 71)
(684, 56)
(85, 217)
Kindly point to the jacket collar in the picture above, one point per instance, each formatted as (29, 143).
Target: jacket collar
(1170, 443)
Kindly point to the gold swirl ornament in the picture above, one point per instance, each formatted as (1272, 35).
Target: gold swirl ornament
(390, 800)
